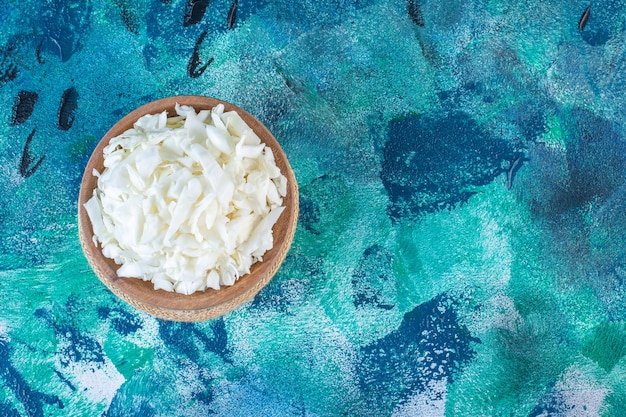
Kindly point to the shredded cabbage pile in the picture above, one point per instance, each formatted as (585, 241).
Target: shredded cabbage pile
(187, 202)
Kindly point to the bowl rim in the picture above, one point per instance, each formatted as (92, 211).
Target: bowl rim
(201, 305)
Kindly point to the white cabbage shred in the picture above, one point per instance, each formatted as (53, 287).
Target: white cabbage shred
(187, 202)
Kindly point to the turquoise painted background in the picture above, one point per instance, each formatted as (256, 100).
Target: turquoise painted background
(461, 244)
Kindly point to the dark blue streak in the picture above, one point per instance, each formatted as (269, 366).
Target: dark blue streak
(399, 364)
(79, 347)
(431, 163)
(372, 279)
(32, 400)
(123, 322)
(182, 337)
(65, 380)
(6, 410)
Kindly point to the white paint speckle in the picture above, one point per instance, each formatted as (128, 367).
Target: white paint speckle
(581, 394)
(431, 402)
(4, 332)
(99, 382)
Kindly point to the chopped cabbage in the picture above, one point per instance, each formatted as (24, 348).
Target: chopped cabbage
(187, 202)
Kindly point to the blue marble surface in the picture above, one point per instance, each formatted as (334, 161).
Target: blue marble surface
(461, 244)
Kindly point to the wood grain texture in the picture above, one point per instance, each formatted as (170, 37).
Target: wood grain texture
(201, 305)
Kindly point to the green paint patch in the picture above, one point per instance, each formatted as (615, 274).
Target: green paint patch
(126, 356)
(306, 363)
(81, 148)
(607, 346)
(615, 402)
(515, 368)
(453, 251)
(555, 135)
(407, 257)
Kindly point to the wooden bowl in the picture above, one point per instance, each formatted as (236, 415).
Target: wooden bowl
(201, 305)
